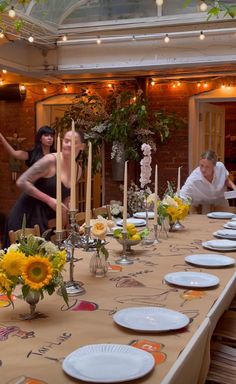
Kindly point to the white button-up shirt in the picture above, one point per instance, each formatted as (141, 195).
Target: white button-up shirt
(202, 191)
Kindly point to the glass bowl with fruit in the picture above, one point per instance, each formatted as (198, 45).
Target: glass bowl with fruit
(134, 237)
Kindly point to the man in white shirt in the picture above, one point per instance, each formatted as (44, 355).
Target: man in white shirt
(207, 183)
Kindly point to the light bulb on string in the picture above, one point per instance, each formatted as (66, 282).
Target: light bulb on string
(1, 34)
(45, 89)
(203, 6)
(4, 71)
(166, 39)
(205, 85)
(152, 83)
(22, 88)
(109, 85)
(31, 39)
(65, 88)
(198, 85)
(12, 12)
(178, 84)
(99, 40)
(223, 86)
(64, 38)
(202, 36)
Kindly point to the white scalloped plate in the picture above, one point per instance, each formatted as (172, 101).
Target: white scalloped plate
(220, 215)
(150, 319)
(192, 279)
(210, 260)
(108, 363)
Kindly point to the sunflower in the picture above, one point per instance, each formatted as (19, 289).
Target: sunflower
(13, 262)
(6, 284)
(37, 272)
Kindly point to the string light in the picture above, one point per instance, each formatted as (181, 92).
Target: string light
(31, 39)
(222, 86)
(166, 39)
(159, 2)
(65, 88)
(22, 88)
(64, 38)
(203, 6)
(133, 38)
(1, 34)
(202, 36)
(4, 71)
(152, 82)
(205, 85)
(174, 86)
(198, 85)
(12, 12)
(99, 40)
(109, 85)
(178, 84)
(45, 90)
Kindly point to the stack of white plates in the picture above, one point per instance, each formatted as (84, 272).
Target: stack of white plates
(220, 245)
(210, 260)
(220, 215)
(230, 225)
(142, 215)
(226, 234)
(132, 220)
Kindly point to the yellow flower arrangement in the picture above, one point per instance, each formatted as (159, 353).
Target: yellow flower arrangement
(173, 207)
(33, 263)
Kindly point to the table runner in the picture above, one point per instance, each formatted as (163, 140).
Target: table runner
(37, 348)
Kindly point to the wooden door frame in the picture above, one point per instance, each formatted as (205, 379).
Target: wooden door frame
(217, 95)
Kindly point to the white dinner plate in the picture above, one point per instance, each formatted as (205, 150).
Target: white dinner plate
(226, 234)
(136, 222)
(192, 279)
(210, 260)
(142, 215)
(220, 244)
(150, 319)
(220, 215)
(108, 363)
(229, 227)
(231, 224)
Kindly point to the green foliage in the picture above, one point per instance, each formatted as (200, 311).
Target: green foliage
(215, 8)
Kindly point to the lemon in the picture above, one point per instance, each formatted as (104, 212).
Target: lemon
(136, 237)
(133, 231)
(130, 226)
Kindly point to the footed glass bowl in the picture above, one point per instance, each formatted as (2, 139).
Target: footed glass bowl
(130, 243)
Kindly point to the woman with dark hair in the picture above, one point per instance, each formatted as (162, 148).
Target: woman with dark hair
(38, 200)
(206, 185)
(44, 140)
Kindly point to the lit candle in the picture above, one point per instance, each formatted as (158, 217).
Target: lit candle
(58, 192)
(178, 182)
(88, 186)
(125, 199)
(72, 169)
(156, 194)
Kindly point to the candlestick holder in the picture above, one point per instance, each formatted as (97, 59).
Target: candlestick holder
(59, 238)
(73, 288)
(86, 241)
(124, 260)
(156, 241)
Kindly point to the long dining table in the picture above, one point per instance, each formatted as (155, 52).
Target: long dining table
(36, 348)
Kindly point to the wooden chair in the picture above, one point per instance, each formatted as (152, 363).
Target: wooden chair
(102, 211)
(14, 235)
(80, 218)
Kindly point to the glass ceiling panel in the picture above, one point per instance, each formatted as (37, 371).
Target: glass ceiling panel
(60, 12)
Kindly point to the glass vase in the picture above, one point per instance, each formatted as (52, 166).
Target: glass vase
(175, 226)
(32, 298)
(98, 264)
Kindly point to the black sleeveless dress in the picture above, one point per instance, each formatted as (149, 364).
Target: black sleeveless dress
(36, 211)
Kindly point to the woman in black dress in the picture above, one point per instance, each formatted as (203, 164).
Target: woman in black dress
(38, 201)
(44, 140)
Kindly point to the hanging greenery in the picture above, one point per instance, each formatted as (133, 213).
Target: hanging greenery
(122, 119)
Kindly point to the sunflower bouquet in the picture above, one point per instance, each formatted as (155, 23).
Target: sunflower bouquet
(35, 264)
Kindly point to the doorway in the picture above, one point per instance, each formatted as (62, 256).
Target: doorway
(209, 125)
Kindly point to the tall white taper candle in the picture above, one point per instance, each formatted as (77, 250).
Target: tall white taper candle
(88, 186)
(125, 198)
(72, 169)
(58, 191)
